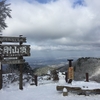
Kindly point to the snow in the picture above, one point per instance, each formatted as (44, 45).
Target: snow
(83, 85)
(41, 92)
(64, 90)
(47, 91)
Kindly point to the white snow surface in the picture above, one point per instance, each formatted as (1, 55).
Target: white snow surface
(65, 90)
(47, 91)
(41, 92)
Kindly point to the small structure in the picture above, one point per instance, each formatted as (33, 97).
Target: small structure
(65, 92)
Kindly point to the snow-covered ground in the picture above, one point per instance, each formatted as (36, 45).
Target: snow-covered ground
(46, 90)
(41, 92)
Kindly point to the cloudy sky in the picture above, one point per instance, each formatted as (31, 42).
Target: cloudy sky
(57, 28)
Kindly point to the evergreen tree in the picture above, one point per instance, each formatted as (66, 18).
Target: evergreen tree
(4, 13)
(16, 67)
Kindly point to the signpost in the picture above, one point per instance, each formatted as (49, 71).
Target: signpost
(14, 50)
(70, 73)
(12, 39)
(13, 61)
(13, 54)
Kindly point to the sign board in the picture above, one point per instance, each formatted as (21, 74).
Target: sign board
(13, 61)
(14, 50)
(12, 39)
(70, 73)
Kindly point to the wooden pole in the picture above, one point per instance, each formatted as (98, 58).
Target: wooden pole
(87, 77)
(0, 75)
(66, 76)
(21, 78)
(36, 80)
(0, 69)
(70, 62)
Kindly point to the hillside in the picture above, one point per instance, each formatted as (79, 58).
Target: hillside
(81, 66)
(43, 70)
(87, 65)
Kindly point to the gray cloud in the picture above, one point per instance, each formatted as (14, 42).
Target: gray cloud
(56, 25)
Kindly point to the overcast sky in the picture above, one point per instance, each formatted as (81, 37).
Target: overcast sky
(57, 28)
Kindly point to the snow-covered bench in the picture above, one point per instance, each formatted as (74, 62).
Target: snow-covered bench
(78, 90)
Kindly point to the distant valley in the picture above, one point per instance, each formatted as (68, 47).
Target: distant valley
(42, 62)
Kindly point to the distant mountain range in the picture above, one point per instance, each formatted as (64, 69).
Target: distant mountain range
(42, 62)
(81, 66)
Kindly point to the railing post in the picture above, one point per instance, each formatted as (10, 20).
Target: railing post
(87, 77)
(66, 76)
(36, 80)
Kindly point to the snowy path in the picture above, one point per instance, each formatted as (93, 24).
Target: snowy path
(42, 92)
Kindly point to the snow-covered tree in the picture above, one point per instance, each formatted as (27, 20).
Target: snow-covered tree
(4, 13)
(49, 72)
